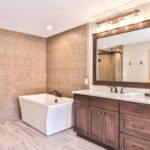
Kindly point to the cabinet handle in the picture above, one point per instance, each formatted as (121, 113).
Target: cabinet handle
(137, 126)
(137, 110)
(137, 147)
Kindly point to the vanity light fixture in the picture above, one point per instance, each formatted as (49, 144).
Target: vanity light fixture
(120, 20)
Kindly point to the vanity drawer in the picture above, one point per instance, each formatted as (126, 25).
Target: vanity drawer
(81, 99)
(135, 109)
(131, 143)
(104, 103)
(139, 127)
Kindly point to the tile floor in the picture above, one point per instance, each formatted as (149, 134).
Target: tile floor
(17, 135)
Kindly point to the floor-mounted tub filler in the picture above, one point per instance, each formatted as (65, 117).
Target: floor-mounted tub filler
(47, 113)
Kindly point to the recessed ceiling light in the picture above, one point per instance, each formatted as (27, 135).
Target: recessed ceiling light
(49, 27)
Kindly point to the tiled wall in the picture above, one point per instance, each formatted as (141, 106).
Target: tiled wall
(22, 70)
(23, 66)
(67, 60)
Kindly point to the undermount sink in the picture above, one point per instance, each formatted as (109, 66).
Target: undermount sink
(131, 94)
(117, 95)
(107, 94)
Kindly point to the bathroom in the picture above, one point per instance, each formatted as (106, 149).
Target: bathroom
(75, 75)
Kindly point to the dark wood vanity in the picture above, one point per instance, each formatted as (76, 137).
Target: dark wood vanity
(117, 124)
(113, 124)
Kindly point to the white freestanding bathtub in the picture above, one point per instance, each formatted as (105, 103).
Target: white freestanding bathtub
(47, 113)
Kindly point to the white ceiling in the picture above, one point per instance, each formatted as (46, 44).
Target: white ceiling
(32, 16)
(137, 36)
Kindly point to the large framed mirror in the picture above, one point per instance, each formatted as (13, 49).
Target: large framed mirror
(121, 57)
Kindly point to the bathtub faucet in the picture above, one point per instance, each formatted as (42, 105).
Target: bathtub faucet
(56, 93)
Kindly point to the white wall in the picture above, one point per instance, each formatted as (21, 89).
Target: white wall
(135, 53)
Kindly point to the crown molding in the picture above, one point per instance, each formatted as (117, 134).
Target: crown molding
(120, 9)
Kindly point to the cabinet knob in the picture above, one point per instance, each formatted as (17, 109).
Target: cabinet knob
(99, 113)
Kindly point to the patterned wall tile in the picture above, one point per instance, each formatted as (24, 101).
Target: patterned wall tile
(5, 85)
(39, 82)
(9, 108)
(30, 65)
(22, 62)
(67, 60)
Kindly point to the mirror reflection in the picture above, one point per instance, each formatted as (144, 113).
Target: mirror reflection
(124, 57)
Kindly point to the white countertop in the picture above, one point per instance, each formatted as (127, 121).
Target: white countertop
(129, 97)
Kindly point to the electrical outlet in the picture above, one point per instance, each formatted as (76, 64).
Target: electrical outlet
(86, 81)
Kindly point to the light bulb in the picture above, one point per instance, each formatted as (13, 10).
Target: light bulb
(100, 28)
(122, 22)
(136, 17)
(128, 20)
(109, 25)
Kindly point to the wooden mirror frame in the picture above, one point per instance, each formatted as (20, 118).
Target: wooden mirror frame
(129, 28)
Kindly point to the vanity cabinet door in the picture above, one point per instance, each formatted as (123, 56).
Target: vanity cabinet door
(95, 124)
(110, 128)
(81, 118)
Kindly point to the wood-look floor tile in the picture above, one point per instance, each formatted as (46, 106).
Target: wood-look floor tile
(17, 135)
